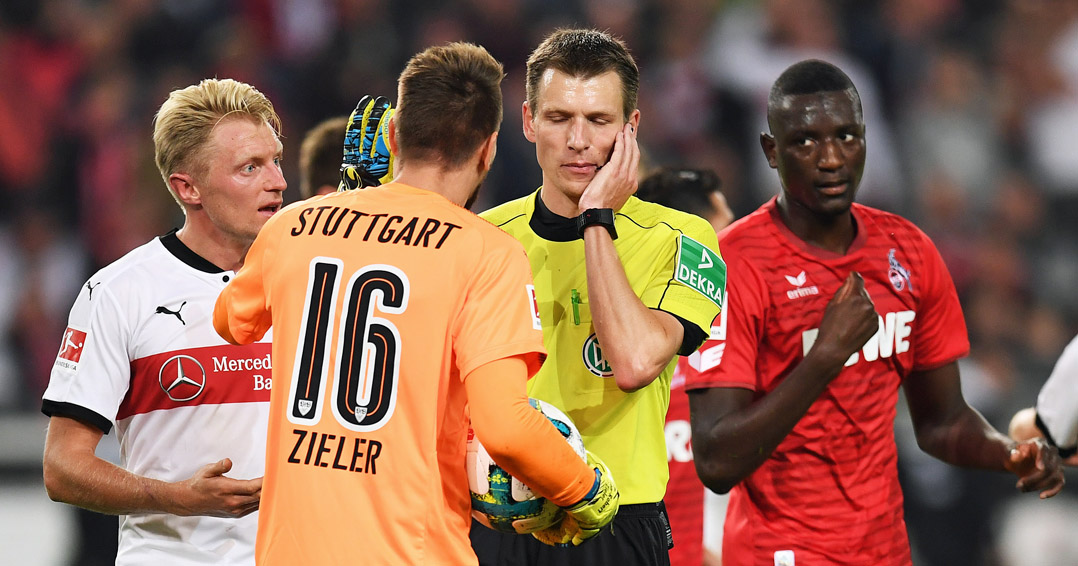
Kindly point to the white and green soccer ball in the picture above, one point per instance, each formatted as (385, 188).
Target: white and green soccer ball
(503, 502)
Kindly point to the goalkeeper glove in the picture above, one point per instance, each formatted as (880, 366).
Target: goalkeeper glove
(588, 517)
(367, 159)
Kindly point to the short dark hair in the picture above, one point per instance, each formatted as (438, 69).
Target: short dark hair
(320, 155)
(684, 189)
(449, 101)
(810, 76)
(584, 53)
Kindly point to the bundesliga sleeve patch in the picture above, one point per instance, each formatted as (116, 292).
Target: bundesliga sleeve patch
(533, 302)
(71, 348)
(701, 269)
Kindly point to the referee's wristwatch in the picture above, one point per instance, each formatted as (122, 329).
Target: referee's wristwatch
(601, 216)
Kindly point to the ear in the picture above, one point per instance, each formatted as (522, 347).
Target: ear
(183, 186)
(634, 119)
(767, 143)
(529, 125)
(392, 131)
(487, 151)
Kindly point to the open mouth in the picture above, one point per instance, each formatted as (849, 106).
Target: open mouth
(272, 209)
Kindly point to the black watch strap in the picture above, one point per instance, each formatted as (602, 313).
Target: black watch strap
(601, 216)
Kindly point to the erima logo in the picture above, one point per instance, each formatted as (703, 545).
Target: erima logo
(799, 281)
(182, 378)
(175, 313)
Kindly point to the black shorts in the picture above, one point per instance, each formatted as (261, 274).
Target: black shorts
(638, 536)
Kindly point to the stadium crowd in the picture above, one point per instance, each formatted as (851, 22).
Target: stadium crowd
(970, 104)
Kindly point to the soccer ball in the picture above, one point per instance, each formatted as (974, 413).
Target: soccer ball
(503, 502)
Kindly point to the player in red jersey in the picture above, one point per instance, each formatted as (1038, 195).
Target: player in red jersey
(832, 307)
(695, 191)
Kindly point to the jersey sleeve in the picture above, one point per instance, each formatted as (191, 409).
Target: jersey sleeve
(242, 314)
(1057, 402)
(521, 439)
(942, 336)
(728, 358)
(92, 371)
(691, 280)
(500, 316)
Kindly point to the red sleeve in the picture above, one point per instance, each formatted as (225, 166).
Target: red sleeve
(728, 358)
(941, 336)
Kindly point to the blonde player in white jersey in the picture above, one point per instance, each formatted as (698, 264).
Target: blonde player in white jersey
(1055, 416)
(140, 350)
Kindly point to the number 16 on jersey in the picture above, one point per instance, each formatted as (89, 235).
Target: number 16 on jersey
(365, 371)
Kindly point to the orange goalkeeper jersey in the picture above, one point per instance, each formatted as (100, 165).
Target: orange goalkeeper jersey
(381, 300)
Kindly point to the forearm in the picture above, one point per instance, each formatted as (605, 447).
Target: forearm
(519, 438)
(98, 485)
(730, 448)
(634, 341)
(967, 440)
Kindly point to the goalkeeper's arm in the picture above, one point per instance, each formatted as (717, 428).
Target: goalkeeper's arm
(519, 438)
(522, 441)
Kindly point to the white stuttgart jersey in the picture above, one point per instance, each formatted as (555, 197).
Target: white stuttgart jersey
(1057, 403)
(140, 351)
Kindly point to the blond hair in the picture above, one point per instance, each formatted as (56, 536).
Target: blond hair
(184, 122)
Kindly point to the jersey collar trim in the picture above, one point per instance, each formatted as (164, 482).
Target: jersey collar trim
(807, 248)
(183, 253)
(549, 225)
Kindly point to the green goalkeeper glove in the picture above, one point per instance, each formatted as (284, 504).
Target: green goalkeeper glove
(367, 159)
(588, 517)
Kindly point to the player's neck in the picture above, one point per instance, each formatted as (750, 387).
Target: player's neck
(457, 185)
(213, 245)
(834, 233)
(558, 202)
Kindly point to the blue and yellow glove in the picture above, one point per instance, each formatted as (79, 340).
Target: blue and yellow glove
(368, 162)
(588, 517)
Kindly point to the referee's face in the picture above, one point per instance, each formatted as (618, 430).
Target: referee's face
(243, 184)
(574, 127)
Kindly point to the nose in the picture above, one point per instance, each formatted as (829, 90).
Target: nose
(578, 137)
(276, 181)
(830, 155)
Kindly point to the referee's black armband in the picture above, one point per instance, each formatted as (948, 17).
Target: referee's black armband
(693, 337)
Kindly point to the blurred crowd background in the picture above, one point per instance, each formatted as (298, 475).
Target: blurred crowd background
(971, 106)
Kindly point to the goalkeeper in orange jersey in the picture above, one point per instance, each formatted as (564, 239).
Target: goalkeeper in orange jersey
(398, 314)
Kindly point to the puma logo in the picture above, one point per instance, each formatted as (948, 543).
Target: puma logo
(90, 288)
(176, 313)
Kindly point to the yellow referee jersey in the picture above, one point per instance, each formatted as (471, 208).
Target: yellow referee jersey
(672, 262)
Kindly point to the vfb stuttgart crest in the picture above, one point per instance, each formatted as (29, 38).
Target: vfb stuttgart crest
(594, 360)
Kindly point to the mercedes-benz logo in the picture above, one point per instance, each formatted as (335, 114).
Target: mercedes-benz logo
(182, 378)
